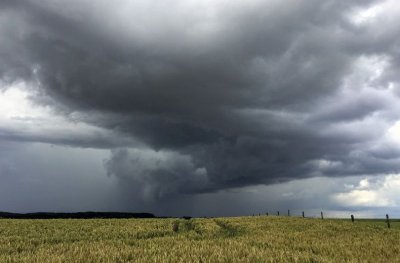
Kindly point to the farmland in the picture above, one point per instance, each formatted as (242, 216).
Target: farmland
(239, 239)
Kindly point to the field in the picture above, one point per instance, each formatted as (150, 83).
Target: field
(240, 239)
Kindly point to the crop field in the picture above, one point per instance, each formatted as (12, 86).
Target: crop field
(239, 239)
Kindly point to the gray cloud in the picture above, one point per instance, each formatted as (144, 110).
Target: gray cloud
(221, 94)
(157, 174)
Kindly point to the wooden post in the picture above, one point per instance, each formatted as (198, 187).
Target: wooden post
(322, 215)
(266, 213)
(278, 213)
(288, 212)
(387, 220)
(303, 214)
(352, 218)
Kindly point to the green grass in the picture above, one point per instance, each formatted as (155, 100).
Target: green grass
(240, 239)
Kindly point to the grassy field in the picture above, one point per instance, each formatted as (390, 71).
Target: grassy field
(240, 239)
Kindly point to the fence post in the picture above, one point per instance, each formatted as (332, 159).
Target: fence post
(302, 214)
(387, 220)
(278, 213)
(352, 218)
(288, 212)
(322, 215)
(266, 213)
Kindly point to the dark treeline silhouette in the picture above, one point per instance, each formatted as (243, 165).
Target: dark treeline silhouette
(78, 215)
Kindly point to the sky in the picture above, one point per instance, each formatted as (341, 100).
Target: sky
(200, 107)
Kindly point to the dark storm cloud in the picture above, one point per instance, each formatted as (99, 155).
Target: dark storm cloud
(157, 174)
(224, 94)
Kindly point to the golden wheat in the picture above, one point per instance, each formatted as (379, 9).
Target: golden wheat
(241, 239)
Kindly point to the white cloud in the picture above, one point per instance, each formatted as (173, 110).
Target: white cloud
(393, 133)
(368, 198)
(364, 184)
(374, 14)
(382, 192)
(15, 105)
(363, 16)
(21, 118)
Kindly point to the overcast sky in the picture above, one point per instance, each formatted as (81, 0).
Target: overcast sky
(194, 107)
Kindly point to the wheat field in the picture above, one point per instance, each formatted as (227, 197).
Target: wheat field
(239, 239)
